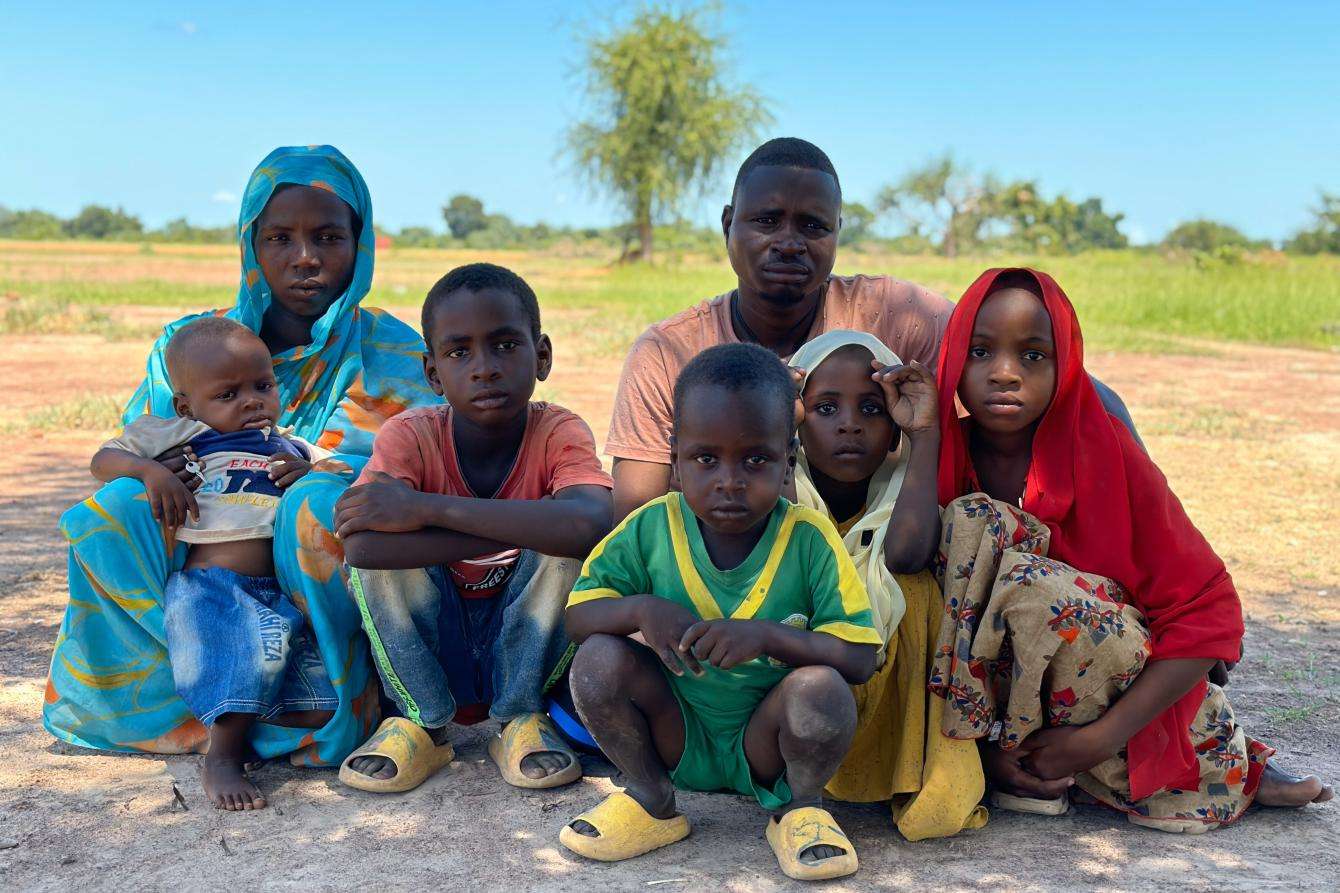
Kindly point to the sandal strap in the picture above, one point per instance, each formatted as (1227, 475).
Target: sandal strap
(811, 826)
(410, 732)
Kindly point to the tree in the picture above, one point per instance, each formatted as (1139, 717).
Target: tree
(664, 117)
(1059, 225)
(857, 221)
(100, 222)
(1324, 235)
(464, 215)
(946, 198)
(33, 224)
(182, 230)
(1205, 235)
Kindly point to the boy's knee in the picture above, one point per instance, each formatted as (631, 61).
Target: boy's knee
(599, 664)
(394, 592)
(818, 705)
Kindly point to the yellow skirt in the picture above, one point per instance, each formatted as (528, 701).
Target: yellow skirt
(935, 783)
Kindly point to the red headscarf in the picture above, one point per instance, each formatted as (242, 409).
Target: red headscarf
(1110, 512)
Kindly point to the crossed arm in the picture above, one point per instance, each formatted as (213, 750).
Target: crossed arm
(684, 643)
(386, 525)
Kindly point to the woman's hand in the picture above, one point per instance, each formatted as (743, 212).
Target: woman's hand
(662, 624)
(385, 504)
(176, 461)
(1005, 770)
(910, 394)
(1063, 751)
(725, 643)
(170, 500)
(286, 469)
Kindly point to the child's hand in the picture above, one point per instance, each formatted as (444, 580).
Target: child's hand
(1005, 770)
(178, 460)
(910, 394)
(1062, 751)
(170, 500)
(663, 624)
(725, 643)
(286, 469)
(384, 504)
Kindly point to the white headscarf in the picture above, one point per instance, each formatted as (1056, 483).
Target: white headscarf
(865, 540)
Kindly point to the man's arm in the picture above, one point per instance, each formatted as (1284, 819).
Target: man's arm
(637, 483)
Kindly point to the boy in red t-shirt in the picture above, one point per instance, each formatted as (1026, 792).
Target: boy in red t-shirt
(455, 536)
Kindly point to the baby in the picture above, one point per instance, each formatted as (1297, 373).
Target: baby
(237, 643)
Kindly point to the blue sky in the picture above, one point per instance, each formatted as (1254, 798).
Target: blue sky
(1165, 110)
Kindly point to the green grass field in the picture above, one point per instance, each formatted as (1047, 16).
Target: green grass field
(1129, 300)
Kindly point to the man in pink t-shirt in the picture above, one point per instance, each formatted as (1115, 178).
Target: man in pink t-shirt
(781, 231)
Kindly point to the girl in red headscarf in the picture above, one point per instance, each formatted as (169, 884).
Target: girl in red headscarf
(1083, 608)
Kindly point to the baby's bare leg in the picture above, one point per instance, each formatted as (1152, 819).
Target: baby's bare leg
(223, 776)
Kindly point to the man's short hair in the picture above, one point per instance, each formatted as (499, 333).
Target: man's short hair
(737, 368)
(190, 338)
(477, 277)
(786, 151)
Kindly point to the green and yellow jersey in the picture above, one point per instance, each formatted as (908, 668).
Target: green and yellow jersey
(799, 574)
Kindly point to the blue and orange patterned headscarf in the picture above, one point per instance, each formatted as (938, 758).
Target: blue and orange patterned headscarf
(362, 365)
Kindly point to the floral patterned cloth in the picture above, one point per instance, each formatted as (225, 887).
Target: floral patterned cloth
(1027, 642)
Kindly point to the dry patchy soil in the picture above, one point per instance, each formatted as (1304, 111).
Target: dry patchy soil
(1250, 438)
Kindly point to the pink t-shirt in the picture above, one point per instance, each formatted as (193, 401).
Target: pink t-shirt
(557, 451)
(908, 318)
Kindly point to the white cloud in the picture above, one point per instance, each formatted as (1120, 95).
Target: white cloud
(223, 197)
(187, 28)
(1136, 233)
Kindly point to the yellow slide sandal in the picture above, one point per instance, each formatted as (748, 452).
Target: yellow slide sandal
(806, 827)
(406, 745)
(623, 830)
(526, 735)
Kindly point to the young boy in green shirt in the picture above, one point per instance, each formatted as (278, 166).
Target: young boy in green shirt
(720, 627)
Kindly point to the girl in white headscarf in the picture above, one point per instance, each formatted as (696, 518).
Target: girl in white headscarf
(869, 447)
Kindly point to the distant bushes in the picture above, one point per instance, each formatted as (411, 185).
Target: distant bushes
(104, 224)
(946, 210)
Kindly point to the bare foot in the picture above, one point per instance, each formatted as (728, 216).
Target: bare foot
(226, 784)
(1279, 788)
(224, 774)
(544, 764)
(382, 768)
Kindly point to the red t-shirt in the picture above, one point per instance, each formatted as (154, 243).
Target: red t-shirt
(557, 451)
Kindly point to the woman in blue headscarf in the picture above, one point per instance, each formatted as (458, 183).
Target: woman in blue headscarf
(306, 239)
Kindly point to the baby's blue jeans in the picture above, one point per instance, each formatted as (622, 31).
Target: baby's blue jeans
(238, 644)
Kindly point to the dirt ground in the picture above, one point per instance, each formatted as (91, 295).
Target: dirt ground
(1249, 437)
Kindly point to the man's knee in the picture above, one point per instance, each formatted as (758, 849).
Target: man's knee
(817, 705)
